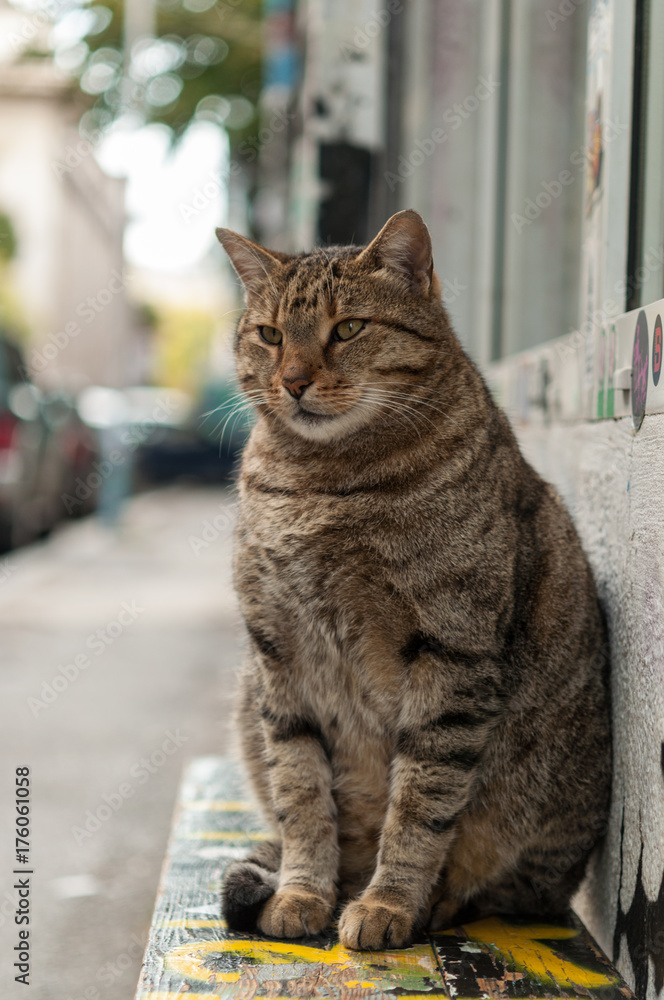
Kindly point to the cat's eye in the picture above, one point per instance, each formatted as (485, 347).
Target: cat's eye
(270, 334)
(348, 328)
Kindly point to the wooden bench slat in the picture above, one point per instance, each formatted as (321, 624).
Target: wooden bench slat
(191, 953)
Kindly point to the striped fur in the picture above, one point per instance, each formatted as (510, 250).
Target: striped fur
(424, 709)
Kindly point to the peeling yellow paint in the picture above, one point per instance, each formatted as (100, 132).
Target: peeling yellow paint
(525, 948)
(189, 960)
(353, 984)
(179, 995)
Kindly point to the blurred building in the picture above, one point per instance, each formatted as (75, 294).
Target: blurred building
(68, 274)
(530, 136)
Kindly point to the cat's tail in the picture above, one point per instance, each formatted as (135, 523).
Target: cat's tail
(248, 884)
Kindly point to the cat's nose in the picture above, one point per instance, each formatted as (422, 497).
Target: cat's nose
(296, 384)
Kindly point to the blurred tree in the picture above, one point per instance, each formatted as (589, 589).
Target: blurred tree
(170, 61)
(182, 346)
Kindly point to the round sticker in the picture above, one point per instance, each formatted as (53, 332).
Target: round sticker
(640, 370)
(657, 350)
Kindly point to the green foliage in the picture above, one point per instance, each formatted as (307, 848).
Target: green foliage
(182, 340)
(212, 56)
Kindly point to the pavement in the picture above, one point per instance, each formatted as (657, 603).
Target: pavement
(118, 655)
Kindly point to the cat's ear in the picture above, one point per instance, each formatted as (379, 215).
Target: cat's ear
(404, 247)
(252, 262)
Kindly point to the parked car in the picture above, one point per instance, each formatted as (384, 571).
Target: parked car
(20, 439)
(44, 447)
(200, 445)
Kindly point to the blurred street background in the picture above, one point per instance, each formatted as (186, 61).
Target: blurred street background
(118, 658)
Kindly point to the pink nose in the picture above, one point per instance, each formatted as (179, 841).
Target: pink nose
(296, 384)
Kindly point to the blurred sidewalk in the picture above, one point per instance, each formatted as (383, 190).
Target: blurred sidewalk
(118, 656)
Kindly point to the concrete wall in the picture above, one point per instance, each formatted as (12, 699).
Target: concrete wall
(613, 482)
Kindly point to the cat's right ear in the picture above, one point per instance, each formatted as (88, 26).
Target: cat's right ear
(252, 262)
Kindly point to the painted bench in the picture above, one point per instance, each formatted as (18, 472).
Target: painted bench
(191, 953)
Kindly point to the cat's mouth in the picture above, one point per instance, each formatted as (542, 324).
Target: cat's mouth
(312, 416)
(317, 425)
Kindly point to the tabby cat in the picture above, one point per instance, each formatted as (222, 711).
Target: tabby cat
(424, 709)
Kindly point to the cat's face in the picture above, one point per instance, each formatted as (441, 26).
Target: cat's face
(332, 340)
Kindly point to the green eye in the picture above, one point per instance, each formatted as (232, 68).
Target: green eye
(348, 328)
(270, 334)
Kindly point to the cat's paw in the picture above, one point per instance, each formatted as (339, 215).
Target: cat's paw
(245, 890)
(293, 913)
(367, 924)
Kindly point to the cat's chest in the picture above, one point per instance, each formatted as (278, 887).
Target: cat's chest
(315, 563)
(311, 579)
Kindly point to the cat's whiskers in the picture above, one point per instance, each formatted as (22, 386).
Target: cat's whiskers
(394, 402)
(236, 395)
(236, 413)
(408, 398)
(265, 271)
(405, 395)
(341, 280)
(328, 273)
(387, 401)
(238, 403)
(394, 408)
(444, 411)
(229, 312)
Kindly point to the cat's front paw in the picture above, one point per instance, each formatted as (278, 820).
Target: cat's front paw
(368, 924)
(293, 913)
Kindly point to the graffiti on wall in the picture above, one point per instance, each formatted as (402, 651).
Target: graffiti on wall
(642, 926)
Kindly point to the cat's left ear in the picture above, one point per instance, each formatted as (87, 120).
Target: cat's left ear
(404, 247)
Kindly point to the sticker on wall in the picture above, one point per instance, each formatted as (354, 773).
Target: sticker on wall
(640, 370)
(657, 350)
